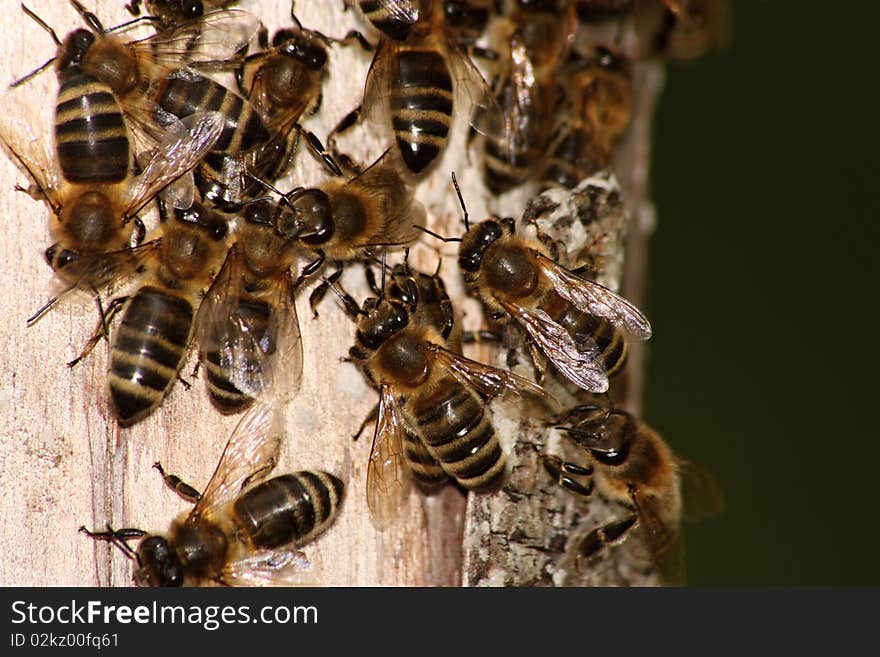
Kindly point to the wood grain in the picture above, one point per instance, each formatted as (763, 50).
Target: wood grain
(64, 462)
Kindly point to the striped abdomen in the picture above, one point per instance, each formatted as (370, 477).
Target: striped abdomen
(148, 350)
(256, 315)
(421, 106)
(90, 136)
(383, 21)
(574, 157)
(288, 510)
(508, 154)
(592, 330)
(455, 429)
(426, 472)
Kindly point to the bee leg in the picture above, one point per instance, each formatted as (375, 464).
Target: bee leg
(180, 487)
(195, 373)
(372, 416)
(133, 7)
(186, 384)
(563, 471)
(539, 362)
(370, 275)
(102, 331)
(318, 102)
(591, 546)
(345, 124)
(309, 269)
(320, 152)
(476, 337)
(140, 231)
(356, 37)
(318, 293)
(117, 537)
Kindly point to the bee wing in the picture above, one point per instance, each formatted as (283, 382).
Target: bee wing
(701, 493)
(263, 362)
(384, 67)
(387, 476)
(582, 365)
(665, 542)
(402, 11)
(488, 380)
(178, 154)
(251, 453)
(32, 154)
(216, 37)
(474, 93)
(281, 567)
(595, 299)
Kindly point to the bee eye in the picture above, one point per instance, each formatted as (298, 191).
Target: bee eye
(192, 8)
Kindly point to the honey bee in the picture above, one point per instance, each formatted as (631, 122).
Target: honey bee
(596, 111)
(517, 278)
(414, 84)
(154, 81)
(89, 184)
(536, 38)
(427, 393)
(632, 465)
(173, 12)
(393, 18)
(341, 220)
(244, 530)
(466, 20)
(152, 340)
(247, 320)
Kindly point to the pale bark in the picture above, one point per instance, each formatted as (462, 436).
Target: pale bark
(64, 462)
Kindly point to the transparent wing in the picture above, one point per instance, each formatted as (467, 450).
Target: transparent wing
(403, 11)
(488, 380)
(665, 542)
(474, 95)
(261, 354)
(32, 154)
(384, 68)
(217, 36)
(595, 299)
(582, 365)
(250, 454)
(282, 567)
(387, 476)
(701, 493)
(178, 155)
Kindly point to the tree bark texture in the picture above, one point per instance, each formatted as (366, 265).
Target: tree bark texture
(64, 462)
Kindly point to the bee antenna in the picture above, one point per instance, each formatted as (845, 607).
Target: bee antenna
(114, 537)
(90, 19)
(293, 15)
(351, 306)
(39, 21)
(437, 235)
(384, 270)
(461, 201)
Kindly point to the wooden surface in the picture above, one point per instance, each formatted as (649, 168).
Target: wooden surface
(63, 460)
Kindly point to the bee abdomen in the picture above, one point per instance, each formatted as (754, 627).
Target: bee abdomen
(223, 392)
(426, 472)
(383, 21)
(289, 509)
(573, 158)
(90, 134)
(610, 340)
(421, 107)
(458, 434)
(148, 350)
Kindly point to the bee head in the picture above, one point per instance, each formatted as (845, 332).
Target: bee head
(297, 45)
(158, 564)
(606, 433)
(74, 48)
(382, 320)
(475, 242)
(311, 219)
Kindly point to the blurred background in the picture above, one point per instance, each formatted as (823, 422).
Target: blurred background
(762, 291)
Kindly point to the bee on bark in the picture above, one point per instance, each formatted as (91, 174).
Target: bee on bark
(593, 116)
(342, 220)
(427, 393)
(173, 12)
(90, 182)
(156, 86)
(244, 530)
(247, 321)
(158, 321)
(569, 320)
(535, 39)
(629, 463)
(416, 84)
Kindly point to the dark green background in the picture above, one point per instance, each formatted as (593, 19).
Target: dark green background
(762, 292)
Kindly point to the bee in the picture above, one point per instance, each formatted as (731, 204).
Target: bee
(244, 530)
(466, 20)
(536, 38)
(393, 18)
(172, 12)
(153, 337)
(342, 219)
(517, 278)
(248, 318)
(414, 84)
(632, 465)
(154, 81)
(681, 29)
(427, 393)
(596, 111)
(89, 182)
